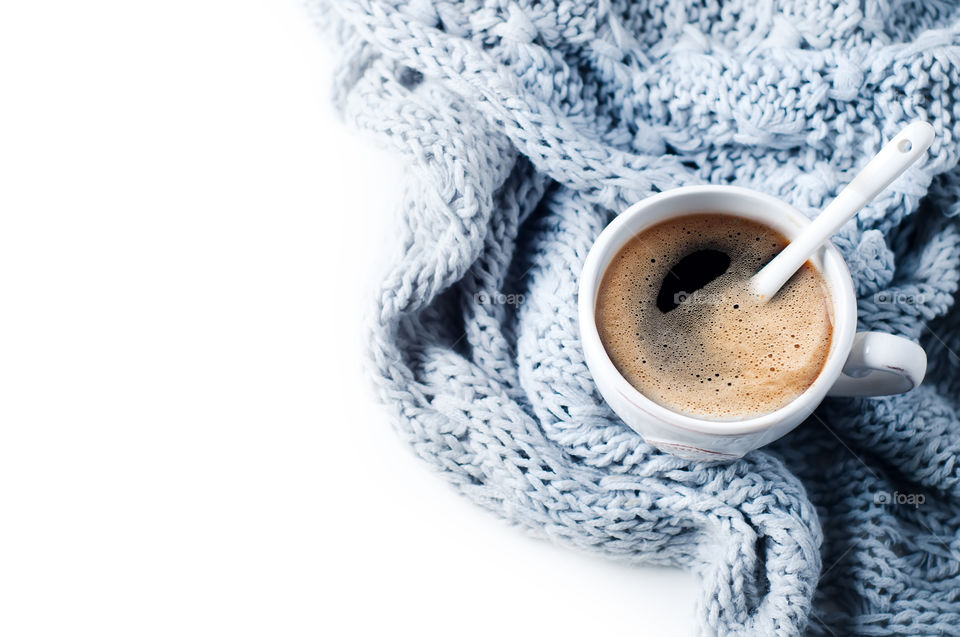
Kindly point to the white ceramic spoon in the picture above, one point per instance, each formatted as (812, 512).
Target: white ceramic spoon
(899, 153)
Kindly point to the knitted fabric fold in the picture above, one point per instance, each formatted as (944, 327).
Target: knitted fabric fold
(525, 127)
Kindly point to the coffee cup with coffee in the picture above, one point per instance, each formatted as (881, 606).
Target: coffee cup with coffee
(688, 357)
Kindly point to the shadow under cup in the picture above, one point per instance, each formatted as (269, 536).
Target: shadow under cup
(658, 423)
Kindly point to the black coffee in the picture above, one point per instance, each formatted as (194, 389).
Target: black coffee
(676, 317)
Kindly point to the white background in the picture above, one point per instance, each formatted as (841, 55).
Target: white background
(187, 443)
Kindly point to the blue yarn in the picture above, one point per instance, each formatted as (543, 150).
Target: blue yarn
(526, 126)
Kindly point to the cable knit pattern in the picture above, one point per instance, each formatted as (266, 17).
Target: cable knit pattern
(525, 127)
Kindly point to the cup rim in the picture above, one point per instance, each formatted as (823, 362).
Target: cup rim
(829, 262)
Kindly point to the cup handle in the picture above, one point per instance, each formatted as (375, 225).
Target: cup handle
(880, 365)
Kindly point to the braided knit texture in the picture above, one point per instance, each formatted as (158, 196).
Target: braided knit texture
(525, 127)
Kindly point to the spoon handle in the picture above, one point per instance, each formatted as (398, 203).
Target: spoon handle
(895, 157)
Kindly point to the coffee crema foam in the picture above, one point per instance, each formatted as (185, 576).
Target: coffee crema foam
(719, 353)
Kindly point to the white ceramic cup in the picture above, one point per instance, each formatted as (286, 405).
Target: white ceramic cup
(858, 364)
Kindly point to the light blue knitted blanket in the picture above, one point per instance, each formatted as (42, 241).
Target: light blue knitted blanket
(525, 127)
